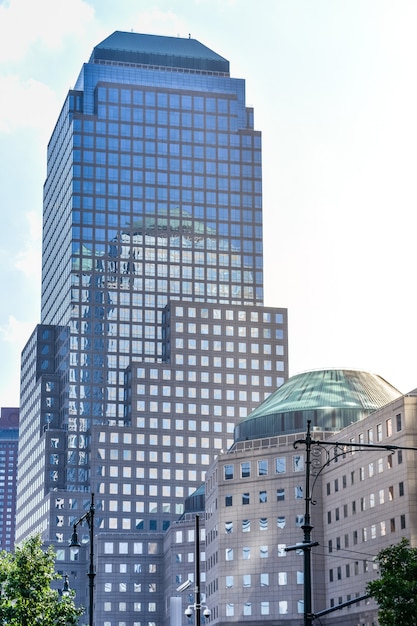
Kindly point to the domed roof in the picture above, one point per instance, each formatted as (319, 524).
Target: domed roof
(330, 398)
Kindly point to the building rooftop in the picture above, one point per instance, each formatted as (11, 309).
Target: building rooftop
(155, 50)
(330, 398)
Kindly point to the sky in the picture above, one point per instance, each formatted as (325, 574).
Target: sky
(334, 88)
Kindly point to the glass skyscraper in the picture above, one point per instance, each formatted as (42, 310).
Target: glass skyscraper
(153, 340)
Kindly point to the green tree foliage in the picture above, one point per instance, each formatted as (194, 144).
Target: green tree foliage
(26, 597)
(396, 589)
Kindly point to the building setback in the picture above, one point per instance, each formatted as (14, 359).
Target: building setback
(9, 435)
(153, 340)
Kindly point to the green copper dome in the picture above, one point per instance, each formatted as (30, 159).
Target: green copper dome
(332, 399)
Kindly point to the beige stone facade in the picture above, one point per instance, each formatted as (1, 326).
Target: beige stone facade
(363, 499)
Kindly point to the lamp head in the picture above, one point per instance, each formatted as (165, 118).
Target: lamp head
(74, 543)
(66, 587)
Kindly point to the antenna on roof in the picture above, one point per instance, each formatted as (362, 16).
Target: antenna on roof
(189, 35)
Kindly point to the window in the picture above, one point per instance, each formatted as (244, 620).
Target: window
(283, 607)
(228, 472)
(228, 500)
(247, 608)
(298, 463)
(263, 467)
(264, 608)
(398, 422)
(280, 465)
(263, 552)
(281, 550)
(280, 495)
(263, 497)
(245, 526)
(245, 469)
(245, 498)
(298, 492)
(401, 488)
(246, 553)
(299, 521)
(229, 554)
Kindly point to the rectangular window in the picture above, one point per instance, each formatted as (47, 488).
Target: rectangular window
(245, 469)
(280, 495)
(398, 421)
(245, 498)
(280, 465)
(298, 463)
(263, 497)
(263, 467)
(228, 472)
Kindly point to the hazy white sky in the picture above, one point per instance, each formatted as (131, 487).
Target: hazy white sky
(334, 87)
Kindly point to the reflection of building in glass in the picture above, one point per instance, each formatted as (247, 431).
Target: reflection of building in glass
(153, 340)
(9, 435)
(363, 501)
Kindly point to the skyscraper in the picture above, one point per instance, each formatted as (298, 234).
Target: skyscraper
(9, 434)
(154, 340)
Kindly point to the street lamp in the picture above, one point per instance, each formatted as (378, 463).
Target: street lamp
(66, 590)
(197, 606)
(74, 543)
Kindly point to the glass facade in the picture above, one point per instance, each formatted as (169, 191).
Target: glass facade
(152, 320)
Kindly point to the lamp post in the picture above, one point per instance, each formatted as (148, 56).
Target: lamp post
(197, 592)
(307, 528)
(74, 543)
